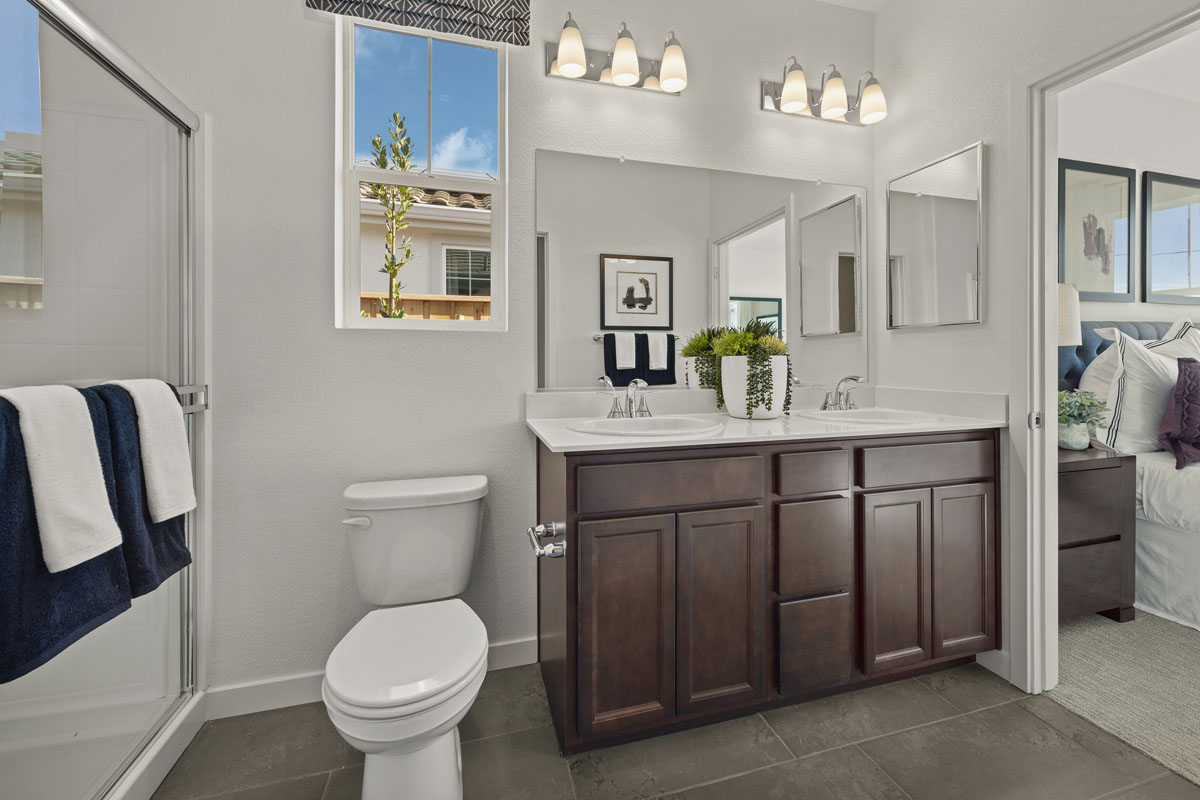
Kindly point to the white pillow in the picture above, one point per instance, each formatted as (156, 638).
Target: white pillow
(1099, 374)
(1139, 393)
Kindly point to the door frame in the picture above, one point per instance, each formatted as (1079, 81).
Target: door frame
(719, 262)
(1032, 502)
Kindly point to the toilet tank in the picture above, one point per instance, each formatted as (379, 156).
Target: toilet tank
(412, 541)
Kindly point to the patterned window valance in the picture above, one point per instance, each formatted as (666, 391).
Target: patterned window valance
(491, 20)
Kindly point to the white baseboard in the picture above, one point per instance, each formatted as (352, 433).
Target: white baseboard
(293, 690)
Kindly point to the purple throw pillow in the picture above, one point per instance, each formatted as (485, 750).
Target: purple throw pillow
(1179, 432)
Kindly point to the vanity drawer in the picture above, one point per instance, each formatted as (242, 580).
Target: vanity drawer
(1089, 579)
(816, 547)
(905, 465)
(1091, 504)
(816, 642)
(812, 472)
(607, 488)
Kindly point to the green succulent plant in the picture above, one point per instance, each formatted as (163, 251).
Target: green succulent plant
(1080, 408)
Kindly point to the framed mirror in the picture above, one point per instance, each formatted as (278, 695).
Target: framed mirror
(935, 243)
(829, 274)
(1095, 228)
(1170, 239)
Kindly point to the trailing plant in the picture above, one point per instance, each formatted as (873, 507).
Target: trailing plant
(708, 364)
(396, 201)
(757, 341)
(1080, 408)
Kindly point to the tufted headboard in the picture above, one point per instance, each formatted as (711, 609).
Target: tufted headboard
(1072, 361)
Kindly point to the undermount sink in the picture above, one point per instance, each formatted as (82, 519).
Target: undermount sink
(646, 426)
(869, 416)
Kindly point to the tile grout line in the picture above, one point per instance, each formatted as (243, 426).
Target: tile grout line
(570, 778)
(506, 733)
(886, 774)
(328, 781)
(1166, 770)
(1138, 785)
(775, 733)
(280, 782)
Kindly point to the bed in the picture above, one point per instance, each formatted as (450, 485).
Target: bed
(1168, 500)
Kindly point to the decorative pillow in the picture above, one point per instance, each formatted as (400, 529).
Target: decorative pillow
(1174, 343)
(1179, 432)
(1138, 397)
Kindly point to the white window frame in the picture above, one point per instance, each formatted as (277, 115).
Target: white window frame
(348, 176)
(443, 245)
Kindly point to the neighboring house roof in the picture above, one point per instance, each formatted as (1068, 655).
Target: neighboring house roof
(441, 197)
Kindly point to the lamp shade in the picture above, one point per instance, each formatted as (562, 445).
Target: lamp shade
(626, 70)
(652, 82)
(606, 75)
(833, 97)
(872, 105)
(672, 77)
(794, 97)
(554, 68)
(1070, 331)
(572, 60)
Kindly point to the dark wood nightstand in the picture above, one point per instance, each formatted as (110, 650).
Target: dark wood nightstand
(1096, 533)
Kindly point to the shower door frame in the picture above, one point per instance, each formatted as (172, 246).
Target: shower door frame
(144, 770)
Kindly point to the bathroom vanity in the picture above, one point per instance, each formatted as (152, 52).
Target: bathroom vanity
(696, 580)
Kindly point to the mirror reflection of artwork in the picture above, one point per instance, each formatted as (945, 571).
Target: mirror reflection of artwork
(636, 293)
(1095, 228)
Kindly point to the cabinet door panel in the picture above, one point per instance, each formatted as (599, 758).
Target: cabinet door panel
(964, 586)
(721, 589)
(816, 547)
(896, 589)
(626, 623)
(816, 642)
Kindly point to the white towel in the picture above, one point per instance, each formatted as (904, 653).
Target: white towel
(74, 519)
(626, 346)
(658, 350)
(166, 459)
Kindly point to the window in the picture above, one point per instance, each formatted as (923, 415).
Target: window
(422, 234)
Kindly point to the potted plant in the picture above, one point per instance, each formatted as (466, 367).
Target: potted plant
(1078, 413)
(755, 372)
(701, 367)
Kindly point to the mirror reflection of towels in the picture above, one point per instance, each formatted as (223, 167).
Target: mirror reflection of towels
(626, 350)
(658, 350)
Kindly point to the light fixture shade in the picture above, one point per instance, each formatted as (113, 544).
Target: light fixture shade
(794, 97)
(833, 97)
(554, 68)
(872, 105)
(606, 75)
(672, 77)
(572, 60)
(652, 83)
(1070, 332)
(626, 70)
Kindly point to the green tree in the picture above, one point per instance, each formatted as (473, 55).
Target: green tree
(396, 201)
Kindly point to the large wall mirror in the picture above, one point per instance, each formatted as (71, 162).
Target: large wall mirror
(1170, 239)
(935, 243)
(703, 248)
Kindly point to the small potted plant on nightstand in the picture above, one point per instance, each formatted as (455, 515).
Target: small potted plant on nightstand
(1078, 412)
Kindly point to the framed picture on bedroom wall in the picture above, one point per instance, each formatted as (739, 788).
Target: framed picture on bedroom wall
(636, 293)
(1170, 239)
(1095, 229)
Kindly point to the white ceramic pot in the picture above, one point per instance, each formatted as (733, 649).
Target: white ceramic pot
(734, 373)
(1074, 436)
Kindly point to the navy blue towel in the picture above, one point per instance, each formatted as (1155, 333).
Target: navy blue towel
(42, 613)
(641, 349)
(153, 551)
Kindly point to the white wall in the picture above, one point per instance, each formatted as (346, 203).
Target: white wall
(1109, 123)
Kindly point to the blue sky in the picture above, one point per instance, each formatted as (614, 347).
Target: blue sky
(20, 91)
(391, 74)
(1169, 245)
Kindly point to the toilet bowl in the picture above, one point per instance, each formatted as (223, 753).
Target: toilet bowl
(401, 680)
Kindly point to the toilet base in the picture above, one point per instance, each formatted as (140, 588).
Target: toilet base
(432, 772)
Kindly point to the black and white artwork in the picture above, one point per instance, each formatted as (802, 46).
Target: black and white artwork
(636, 293)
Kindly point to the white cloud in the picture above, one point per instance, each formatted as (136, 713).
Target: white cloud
(460, 151)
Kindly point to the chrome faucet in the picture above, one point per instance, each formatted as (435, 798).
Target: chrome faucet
(615, 412)
(839, 399)
(634, 408)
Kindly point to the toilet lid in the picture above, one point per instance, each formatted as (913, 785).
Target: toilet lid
(397, 656)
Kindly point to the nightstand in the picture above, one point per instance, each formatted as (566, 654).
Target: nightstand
(1096, 533)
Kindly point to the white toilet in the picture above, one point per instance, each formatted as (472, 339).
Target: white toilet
(400, 681)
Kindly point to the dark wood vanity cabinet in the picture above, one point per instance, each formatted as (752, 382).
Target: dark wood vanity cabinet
(703, 582)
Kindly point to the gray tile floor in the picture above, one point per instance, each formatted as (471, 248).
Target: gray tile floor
(959, 735)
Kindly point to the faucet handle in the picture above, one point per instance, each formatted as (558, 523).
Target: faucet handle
(607, 381)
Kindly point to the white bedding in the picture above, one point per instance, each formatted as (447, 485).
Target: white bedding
(1166, 495)
(1168, 538)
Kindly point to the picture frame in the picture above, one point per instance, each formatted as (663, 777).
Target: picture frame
(1172, 275)
(637, 293)
(1096, 204)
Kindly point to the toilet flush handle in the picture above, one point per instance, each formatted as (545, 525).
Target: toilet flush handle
(358, 522)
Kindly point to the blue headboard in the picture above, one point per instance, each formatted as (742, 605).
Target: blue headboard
(1072, 361)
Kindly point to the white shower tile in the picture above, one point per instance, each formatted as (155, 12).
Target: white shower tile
(112, 316)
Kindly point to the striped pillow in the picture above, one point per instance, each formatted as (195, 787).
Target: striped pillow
(1099, 373)
(1141, 387)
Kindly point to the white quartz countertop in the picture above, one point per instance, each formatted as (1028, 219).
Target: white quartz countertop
(558, 438)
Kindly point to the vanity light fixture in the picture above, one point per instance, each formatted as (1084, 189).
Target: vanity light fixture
(554, 69)
(652, 80)
(572, 60)
(673, 74)
(627, 70)
(830, 102)
(606, 73)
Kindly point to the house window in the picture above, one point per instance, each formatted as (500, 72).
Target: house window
(421, 161)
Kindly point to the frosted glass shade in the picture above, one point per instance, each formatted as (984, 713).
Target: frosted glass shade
(554, 68)
(606, 75)
(833, 98)
(626, 71)
(872, 106)
(1070, 333)
(672, 77)
(572, 60)
(652, 83)
(794, 98)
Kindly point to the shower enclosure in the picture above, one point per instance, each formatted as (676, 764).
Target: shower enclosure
(98, 281)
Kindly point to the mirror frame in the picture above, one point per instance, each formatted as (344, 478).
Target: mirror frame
(980, 250)
(1148, 293)
(859, 259)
